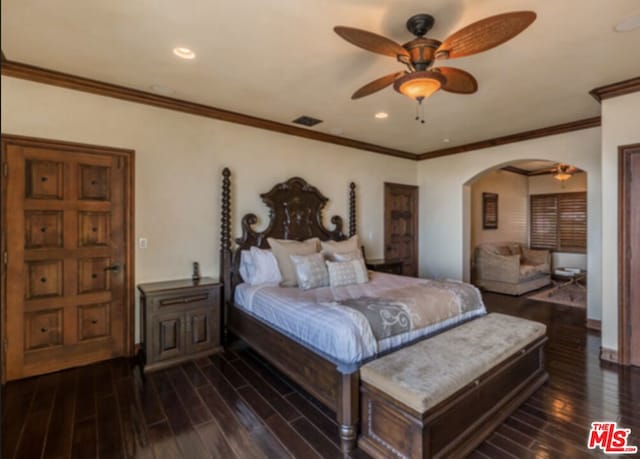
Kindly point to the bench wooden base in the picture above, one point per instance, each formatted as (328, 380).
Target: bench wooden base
(456, 426)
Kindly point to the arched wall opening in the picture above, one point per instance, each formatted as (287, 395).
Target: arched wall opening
(445, 197)
(513, 184)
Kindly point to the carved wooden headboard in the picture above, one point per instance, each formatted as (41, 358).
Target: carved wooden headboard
(295, 212)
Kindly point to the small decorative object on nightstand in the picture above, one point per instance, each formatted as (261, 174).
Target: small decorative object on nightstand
(196, 272)
(385, 266)
(180, 321)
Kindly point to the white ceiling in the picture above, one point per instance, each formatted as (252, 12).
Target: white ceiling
(279, 59)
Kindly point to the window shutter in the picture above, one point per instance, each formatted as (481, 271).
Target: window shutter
(572, 218)
(559, 222)
(544, 222)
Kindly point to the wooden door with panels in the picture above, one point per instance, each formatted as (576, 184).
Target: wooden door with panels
(401, 225)
(67, 226)
(629, 255)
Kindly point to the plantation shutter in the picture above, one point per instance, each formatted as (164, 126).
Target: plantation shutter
(572, 217)
(559, 222)
(544, 222)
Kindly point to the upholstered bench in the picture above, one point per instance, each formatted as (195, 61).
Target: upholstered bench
(443, 396)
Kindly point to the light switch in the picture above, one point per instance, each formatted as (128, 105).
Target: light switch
(142, 243)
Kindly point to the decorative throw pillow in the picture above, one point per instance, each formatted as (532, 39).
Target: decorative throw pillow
(514, 248)
(265, 267)
(311, 271)
(347, 272)
(282, 248)
(346, 256)
(330, 248)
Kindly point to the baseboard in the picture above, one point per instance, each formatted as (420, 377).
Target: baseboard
(610, 355)
(594, 324)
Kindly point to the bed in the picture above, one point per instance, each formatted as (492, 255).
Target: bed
(318, 337)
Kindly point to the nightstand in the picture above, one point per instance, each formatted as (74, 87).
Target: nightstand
(385, 266)
(180, 321)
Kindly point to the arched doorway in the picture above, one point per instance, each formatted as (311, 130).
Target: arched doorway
(531, 203)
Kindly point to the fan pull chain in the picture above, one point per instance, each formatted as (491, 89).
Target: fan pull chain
(420, 111)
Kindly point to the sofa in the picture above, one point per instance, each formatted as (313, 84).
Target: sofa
(511, 268)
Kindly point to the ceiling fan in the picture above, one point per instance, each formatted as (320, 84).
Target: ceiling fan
(421, 79)
(561, 172)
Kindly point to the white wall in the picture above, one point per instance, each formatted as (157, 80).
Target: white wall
(544, 184)
(620, 126)
(444, 187)
(178, 161)
(512, 190)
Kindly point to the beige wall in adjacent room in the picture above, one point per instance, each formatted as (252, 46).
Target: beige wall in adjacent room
(179, 159)
(512, 191)
(445, 199)
(620, 126)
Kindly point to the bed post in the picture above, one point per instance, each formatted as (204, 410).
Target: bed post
(352, 209)
(348, 410)
(225, 250)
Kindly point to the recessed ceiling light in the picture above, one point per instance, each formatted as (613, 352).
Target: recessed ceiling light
(446, 140)
(628, 24)
(381, 115)
(184, 53)
(164, 90)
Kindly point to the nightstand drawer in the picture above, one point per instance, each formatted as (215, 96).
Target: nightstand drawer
(191, 298)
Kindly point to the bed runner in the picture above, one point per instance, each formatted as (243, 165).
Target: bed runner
(402, 310)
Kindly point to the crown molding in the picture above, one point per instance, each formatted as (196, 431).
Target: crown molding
(512, 138)
(65, 80)
(616, 89)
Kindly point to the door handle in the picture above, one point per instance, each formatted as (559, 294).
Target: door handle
(114, 268)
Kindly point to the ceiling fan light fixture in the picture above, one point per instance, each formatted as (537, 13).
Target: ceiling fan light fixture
(419, 85)
(562, 172)
(562, 176)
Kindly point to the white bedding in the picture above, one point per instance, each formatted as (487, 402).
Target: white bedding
(341, 334)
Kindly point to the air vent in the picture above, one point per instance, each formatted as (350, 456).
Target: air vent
(307, 121)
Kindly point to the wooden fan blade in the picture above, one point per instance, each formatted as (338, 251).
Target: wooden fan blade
(486, 34)
(458, 81)
(371, 41)
(376, 85)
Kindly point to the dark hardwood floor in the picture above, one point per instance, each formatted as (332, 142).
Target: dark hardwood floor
(234, 406)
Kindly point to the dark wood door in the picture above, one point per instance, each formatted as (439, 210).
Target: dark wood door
(401, 225)
(66, 254)
(629, 329)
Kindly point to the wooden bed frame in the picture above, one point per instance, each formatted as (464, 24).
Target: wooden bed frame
(296, 214)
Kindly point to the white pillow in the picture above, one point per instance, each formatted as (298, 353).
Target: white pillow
(347, 272)
(246, 266)
(266, 267)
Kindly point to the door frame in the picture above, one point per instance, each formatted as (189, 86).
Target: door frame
(416, 223)
(624, 268)
(126, 155)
